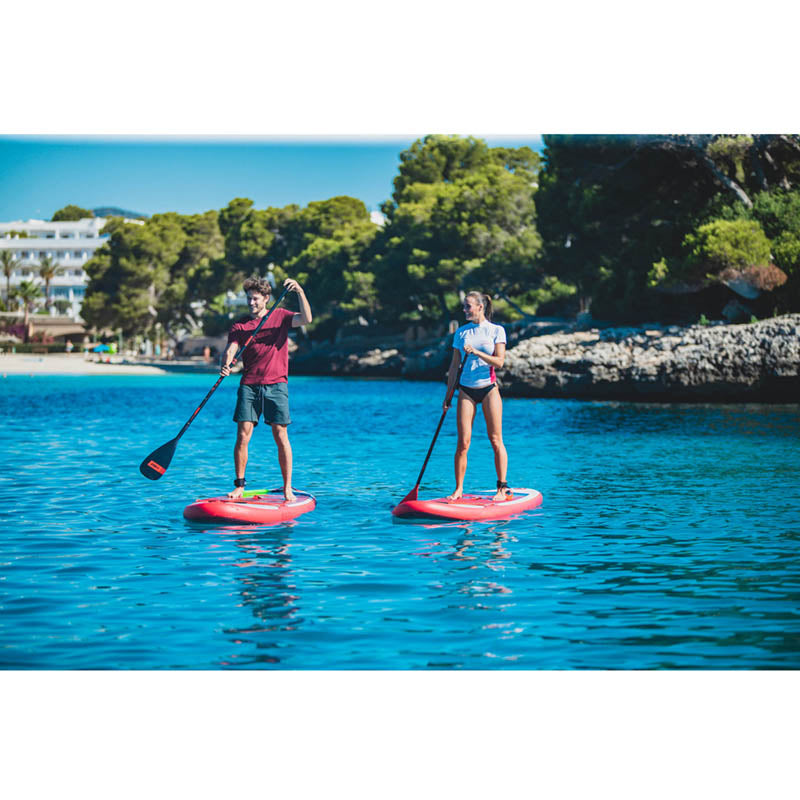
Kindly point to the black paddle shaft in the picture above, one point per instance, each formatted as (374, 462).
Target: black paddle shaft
(155, 465)
(447, 401)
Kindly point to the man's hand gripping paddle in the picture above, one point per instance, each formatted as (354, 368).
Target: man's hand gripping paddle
(155, 465)
(412, 495)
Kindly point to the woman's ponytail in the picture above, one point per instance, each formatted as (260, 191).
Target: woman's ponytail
(487, 307)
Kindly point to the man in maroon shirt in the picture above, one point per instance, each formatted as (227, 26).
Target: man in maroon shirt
(264, 388)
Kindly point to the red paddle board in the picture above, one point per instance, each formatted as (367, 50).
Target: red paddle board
(476, 506)
(257, 507)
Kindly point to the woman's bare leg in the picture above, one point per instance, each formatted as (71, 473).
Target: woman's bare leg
(465, 418)
(493, 414)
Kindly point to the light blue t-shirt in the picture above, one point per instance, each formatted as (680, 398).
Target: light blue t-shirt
(477, 373)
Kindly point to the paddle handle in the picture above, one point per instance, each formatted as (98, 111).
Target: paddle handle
(235, 360)
(448, 398)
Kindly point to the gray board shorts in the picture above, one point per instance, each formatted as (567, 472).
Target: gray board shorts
(268, 399)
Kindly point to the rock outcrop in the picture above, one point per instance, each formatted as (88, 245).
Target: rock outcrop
(758, 362)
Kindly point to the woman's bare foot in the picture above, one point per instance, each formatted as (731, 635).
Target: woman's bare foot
(503, 493)
(236, 493)
(457, 494)
(289, 494)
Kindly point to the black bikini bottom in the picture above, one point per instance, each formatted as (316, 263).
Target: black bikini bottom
(476, 394)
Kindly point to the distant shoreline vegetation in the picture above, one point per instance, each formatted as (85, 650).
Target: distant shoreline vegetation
(627, 228)
(73, 213)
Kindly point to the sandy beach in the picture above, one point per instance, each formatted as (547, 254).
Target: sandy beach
(62, 364)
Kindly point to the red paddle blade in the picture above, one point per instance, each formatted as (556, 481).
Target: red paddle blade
(412, 495)
(155, 465)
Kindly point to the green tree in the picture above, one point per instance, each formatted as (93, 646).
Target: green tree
(779, 214)
(325, 218)
(437, 159)
(71, 213)
(317, 244)
(248, 236)
(128, 274)
(9, 265)
(163, 270)
(48, 269)
(461, 214)
(614, 210)
(196, 275)
(337, 234)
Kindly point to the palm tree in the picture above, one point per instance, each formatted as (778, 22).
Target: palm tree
(9, 265)
(48, 269)
(27, 293)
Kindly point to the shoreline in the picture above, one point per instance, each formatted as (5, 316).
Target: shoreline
(63, 364)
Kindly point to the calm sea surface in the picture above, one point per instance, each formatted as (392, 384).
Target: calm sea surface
(669, 536)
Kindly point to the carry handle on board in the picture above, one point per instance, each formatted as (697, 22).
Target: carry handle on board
(155, 465)
(412, 495)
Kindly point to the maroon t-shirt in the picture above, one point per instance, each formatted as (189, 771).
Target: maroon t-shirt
(266, 359)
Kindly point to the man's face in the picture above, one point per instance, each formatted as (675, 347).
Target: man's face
(257, 302)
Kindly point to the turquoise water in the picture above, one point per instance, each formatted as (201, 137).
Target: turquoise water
(669, 536)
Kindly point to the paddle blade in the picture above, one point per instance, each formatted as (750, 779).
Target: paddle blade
(155, 465)
(412, 495)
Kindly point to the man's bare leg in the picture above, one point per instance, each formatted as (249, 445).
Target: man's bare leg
(465, 417)
(281, 436)
(244, 430)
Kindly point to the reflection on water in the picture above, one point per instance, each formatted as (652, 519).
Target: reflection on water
(268, 593)
(668, 537)
(263, 573)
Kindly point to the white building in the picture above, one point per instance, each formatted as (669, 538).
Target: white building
(69, 244)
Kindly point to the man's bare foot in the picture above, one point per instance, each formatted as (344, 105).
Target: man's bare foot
(236, 493)
(457, 494)
(289, 494)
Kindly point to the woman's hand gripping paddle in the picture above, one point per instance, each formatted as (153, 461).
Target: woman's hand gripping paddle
(412, 495)
(155, 465)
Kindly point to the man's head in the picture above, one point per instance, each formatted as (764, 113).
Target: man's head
(258, 291)
(256, 284)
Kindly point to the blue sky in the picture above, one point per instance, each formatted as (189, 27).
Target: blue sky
(39, 175)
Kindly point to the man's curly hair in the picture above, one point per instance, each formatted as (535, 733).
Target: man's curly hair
(256, 284)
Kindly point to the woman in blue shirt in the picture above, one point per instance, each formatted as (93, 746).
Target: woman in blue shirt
(484, 344)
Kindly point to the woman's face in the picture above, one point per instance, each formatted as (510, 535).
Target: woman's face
(473, 309)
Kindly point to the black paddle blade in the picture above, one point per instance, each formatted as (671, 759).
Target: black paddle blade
(412, 495)
(155, 465)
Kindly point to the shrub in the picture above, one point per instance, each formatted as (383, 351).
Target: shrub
(722, 243)
(15, 330)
